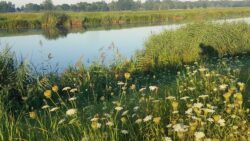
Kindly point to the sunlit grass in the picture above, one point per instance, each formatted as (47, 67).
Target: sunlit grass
(93, 19)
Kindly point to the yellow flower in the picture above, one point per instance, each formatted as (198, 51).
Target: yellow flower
(133, 87)
(127, 75)
(55, 88)
(175, 105)
(47, 93)
(216, 118)
(241, 85)
(238, 97)
(96, 125)
(157, 120)
(227, 96)
(33, 115)
(124, 120)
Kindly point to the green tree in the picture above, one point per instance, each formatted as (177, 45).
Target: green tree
(47, 5)
(7, 7)
(31, 7)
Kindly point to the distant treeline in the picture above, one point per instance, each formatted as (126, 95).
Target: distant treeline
(119, 5)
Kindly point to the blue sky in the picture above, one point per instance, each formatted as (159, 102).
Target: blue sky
(22, 2)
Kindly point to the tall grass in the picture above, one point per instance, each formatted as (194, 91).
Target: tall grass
(193, 42)
(93, 19)
(203, 103)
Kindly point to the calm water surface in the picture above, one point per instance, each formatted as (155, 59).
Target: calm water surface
(88, 46)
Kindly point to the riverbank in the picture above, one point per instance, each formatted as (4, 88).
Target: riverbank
(95, 19)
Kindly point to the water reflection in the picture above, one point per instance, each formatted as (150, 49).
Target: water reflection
(55, 33)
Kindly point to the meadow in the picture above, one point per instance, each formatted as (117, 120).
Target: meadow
(94, 19)
(195, 88)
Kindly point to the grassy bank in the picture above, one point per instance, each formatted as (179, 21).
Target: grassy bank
(91, 19)
(194, 42)
(206, 101)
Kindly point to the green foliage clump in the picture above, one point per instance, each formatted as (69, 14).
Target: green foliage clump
(51, 19)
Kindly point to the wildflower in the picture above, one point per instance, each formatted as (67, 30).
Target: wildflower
(241, 85)
(175, 105)
(125, 113)
(198, 105)
(208, 75)
(207, 110)
(47, 93)
(138, 121)
(72, 98)
(66, 88)
(123, 120)
(120, 83)
(153, 88)
(189, 111)
(203, 96)
(199, 136)
(110, 124)
(142, 90)
(127, 75)
(227, 96)
(25, 98)
(118, 108)
(210, 120)
(95, 119)
(180, 128)
(175, 112)
(202, 69)
(170, 98)
(221, 122)
(191, 88)
(233, 116)
(133, 87)
(216, 118)
(169, 126)
(73, 90)
(235, 127)
(54, 109)
(136, 108)
(45, 107)
(185, 98)
(215, 89)
(148, 118)
(61, 121)
(125, 132)
(71, 112)
(167, 139)
(55, 88)
(102, 98)
(96, 125)
(238, 97)
(223, 87)
(33, 115)
(157, 120)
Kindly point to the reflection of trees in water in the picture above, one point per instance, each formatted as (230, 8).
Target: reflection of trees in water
(55, 33)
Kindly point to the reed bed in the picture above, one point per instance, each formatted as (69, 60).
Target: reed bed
(92, 19)
(194, 42)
